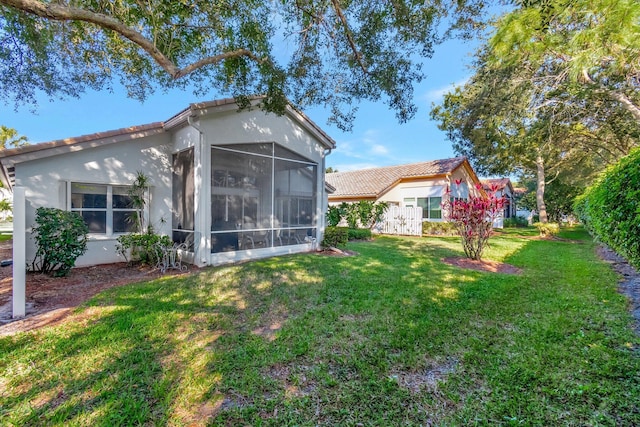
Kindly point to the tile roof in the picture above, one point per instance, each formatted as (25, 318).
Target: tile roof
(374, 182)
(12, 156)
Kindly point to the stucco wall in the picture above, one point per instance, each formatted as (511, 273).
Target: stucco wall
(420, 188)
(116, 164)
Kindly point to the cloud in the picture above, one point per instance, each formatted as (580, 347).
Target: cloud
(347, 167)
(379, 150)
(436, 95)
(366, 147)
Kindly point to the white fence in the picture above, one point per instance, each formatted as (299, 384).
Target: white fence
(402, 221)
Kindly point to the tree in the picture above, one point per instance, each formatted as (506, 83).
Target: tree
(529, 106)
(9, 138)
(341, 52)
(592, 45)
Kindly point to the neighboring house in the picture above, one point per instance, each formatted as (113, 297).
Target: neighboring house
(232, 185)
(421, 184)
(502, 187)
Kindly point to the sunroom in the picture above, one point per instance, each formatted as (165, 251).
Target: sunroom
(263, 198)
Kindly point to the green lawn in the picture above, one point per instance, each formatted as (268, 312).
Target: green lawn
(392, 336)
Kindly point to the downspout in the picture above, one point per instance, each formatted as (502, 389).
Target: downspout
(200, 219)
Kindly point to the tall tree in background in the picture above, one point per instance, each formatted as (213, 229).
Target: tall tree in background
(591, 46)
(328, 52)
(545, 97)
(9, 138)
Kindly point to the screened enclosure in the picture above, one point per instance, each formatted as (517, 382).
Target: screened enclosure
(262, 195)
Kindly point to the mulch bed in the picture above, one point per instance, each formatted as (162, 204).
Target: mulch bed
(49, 300)
(482, 265)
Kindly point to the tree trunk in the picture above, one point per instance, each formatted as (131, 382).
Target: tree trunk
(626, 103)
(542, 209)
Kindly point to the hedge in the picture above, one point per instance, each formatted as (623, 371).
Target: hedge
(610, 208)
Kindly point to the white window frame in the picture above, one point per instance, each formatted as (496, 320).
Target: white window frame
(109, 206)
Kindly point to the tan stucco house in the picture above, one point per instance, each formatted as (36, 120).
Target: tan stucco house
(233, 185)
(422, 184)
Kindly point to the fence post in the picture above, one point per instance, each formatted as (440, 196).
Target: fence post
(19, 252)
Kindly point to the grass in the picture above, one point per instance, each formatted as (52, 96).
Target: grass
(392, 336)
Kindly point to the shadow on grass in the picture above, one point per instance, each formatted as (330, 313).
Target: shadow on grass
(391, 334)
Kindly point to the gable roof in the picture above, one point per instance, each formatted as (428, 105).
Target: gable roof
(372, 183)
(498, 183)
(10, 157)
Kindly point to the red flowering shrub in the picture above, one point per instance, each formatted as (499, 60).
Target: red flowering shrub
(473, 218)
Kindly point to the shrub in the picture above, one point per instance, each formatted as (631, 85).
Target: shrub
(473, 218)
(547, 229)
(516, 221)
(610, 208)
(359, 234)
(146, 248)
(61, 237)
(364, 213)
(439, 228)
(335, 237)
(352, 214)
(334, 215)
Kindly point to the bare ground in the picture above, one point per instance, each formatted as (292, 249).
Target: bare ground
(483, 265)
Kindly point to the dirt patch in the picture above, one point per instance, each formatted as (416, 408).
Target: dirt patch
(331, 251)
(415, 381)
(482, 265)
(49, 300)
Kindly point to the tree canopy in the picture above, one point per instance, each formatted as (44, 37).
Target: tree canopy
(555, 91)
(328, 52)
(10, 138)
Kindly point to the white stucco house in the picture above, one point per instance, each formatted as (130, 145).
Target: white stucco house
(234, 185)
(422, 184)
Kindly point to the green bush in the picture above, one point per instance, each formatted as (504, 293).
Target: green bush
(515, 221)
(334, 215)
(359, 234)
(547, 229)
(146, 248)
(364, 213)
(335, 237)
(61, 237)
(610, 209)
(439, 228)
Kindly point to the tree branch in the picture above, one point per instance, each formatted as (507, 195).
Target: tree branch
(620, 97)
(347, 33)
(67, 13)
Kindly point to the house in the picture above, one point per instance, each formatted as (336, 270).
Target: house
(232, 185)
(503, 188)
(422, 184)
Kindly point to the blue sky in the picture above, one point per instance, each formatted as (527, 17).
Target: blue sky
(377, 139)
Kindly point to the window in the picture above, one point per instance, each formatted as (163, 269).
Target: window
(106, 209)
(409, 202)
(435, 207)
(431, 207)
